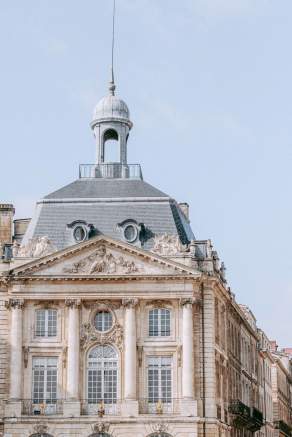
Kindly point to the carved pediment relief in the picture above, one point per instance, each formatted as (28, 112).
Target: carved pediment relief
(98, 257)
(103, 261)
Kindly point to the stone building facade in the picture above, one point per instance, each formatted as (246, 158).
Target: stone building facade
(116, 321)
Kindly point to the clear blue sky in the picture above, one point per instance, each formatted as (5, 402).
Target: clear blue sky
(209, 86)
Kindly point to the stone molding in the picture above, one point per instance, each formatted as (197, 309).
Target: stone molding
(130, 302)
(159, 303)
(72, 303)
(159, 427)
(14, 304)
(189, 301)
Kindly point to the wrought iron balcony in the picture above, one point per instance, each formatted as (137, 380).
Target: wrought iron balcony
(102, 407)
(114, 170)
(283, 427)
(42, 407)
(246, 417)
(159, 406)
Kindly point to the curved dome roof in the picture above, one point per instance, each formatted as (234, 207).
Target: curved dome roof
(111, 107)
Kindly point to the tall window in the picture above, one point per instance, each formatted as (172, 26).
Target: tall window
(102, 375)
(44, 380)
(159, 322)
(159, 380)
(46, 323)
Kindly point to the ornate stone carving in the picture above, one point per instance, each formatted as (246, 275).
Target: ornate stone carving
(72, 303)
(90, 335)
(14, 303)
(179, 355)
(41, 428)
(160, 427)
(129, 303)
(101, 304)
(101, 427)
(64, 356)
(159, 303)
(168, 245)
(25, 355)
(35, 248)
(187, 301)
(103, 262)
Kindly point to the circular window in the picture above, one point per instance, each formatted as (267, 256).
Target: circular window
(103, 321)
(130, 233)
(79, 234)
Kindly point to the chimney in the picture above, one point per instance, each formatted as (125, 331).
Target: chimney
(274, 346)
(20, 227)
(184, 206)
(6, 223)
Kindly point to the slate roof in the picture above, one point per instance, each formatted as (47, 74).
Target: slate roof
(106, 188)
(105, 203)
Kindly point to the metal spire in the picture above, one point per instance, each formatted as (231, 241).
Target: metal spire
(112, 85)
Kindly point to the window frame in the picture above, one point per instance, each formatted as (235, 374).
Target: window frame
(159, 336)
(160, 357)
(104, 310)
(46, 330)
(108, 406)
(50, 406)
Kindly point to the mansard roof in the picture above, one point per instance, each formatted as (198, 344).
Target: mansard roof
(107, 188)
(105, 203)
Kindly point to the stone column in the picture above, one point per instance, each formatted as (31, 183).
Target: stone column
(73, 348)
(188, 403)
(130, 358)
(15, 392)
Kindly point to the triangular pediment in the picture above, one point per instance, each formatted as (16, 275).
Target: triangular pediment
(101, 256)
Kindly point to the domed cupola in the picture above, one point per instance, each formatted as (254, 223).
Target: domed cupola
(111, 121)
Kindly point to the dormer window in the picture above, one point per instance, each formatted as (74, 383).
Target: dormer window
(79, 233)
(131, 233)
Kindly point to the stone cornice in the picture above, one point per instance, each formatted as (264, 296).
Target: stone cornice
(68, 278)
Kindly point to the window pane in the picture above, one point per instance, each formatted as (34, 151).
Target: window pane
(40, 323)
(44, 380)
(159, 379)
(52, 323)
(159, 322)
(103, 321)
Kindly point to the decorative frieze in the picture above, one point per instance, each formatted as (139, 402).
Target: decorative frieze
(14, 303)
(41, 428)
(103, 261)
(73, 303)
(130, 302)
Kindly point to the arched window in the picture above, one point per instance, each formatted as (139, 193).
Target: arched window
(111, 146)
(159, 322)
(102, 377)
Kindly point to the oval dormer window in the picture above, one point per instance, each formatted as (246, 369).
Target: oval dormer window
(130, 233)
(79, 234)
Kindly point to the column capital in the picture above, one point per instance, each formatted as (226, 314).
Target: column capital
(73, 303)
(130, 303)
(188, 301)
(14, 303)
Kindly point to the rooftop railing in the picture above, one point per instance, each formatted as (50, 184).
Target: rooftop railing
(114, 170)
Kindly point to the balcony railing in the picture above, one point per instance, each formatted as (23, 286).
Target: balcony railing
(32, 407)
(159, 407)
(246, 417)
(100, 407)
(113, 170)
